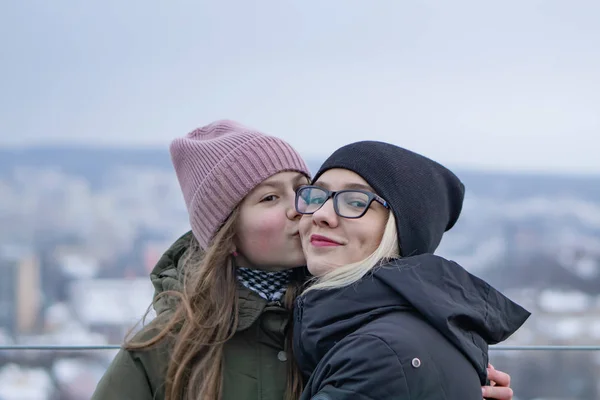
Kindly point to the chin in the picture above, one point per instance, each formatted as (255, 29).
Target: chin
(316, 269)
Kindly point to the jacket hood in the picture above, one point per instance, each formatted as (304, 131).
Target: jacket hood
(466, 310)
(167, 274)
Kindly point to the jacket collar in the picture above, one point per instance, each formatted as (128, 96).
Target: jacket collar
(168, 273)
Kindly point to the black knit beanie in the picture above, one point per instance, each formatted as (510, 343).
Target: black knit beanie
(425, 197)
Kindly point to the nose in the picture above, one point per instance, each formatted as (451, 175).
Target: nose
(326, 216)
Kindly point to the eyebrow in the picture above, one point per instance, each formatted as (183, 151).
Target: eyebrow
(359, 186)
(278, 184)
(272, 184)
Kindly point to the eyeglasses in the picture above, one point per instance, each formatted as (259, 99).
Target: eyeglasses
(346, 203)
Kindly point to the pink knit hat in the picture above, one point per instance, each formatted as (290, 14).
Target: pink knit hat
(219, 164)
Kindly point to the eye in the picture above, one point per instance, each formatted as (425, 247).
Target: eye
(317, 200)
(355, 200)
(356, 203)
(268, 198)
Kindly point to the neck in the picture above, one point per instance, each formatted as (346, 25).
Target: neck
(242, 262)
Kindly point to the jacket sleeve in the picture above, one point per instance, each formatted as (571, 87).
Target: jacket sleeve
(125, 378)
(360, 367)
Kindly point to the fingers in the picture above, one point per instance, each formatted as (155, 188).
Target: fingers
(497, 392)
(501, 379)
(499, 388)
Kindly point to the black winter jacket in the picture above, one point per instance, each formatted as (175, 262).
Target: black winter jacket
(416, 328)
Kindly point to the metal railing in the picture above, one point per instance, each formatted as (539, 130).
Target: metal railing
(117, 347)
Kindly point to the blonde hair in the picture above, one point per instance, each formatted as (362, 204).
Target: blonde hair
(341, 276)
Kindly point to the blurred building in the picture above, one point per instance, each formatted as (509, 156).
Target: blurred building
(20, 290)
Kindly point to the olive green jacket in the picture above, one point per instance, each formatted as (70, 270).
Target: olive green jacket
(255, 359)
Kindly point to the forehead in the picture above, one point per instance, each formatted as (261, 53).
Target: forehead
(339, 179)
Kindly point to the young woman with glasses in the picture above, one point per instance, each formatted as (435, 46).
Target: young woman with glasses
(384, 318)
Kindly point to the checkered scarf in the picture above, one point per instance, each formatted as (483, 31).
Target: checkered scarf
(270, 286)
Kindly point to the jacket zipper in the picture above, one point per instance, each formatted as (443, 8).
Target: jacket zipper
(300, 309)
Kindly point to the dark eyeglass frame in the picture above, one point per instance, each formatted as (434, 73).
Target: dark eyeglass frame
(334, 194)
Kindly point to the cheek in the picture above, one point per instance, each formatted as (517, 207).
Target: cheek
(371, 240)
(370, 245)
(304, 225)
(262, 232)
(368, 238)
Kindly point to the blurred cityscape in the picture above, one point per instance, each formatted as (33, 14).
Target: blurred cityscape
(81, 229)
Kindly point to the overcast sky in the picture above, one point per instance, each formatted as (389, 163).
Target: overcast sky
(508, 85)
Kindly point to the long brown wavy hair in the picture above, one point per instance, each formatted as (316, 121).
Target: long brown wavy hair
(205, 317)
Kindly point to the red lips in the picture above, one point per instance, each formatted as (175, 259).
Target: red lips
(323, 241)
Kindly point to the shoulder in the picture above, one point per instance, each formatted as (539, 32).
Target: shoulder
(361, 364)
(430, 362)
(410, 337)
(407, 360)
(396, 345)
(141, 353)
(131, 375)
(367, 345)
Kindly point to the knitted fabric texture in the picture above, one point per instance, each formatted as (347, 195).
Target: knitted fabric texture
(219, 164)
(271, 286)
(425, 197)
